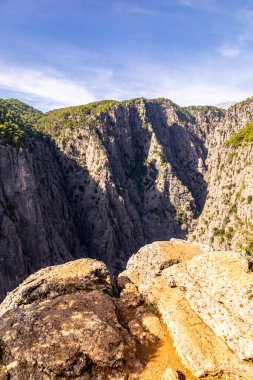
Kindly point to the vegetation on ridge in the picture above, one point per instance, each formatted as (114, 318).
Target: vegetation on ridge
(16, 120)
(242, 137)
(56, 122)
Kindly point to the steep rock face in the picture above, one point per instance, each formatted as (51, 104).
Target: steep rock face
(227, 218)
(205, 299)
(36, 225)
(137, 173)
(118, 176)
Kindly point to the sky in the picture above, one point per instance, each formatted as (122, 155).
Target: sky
(55, 53)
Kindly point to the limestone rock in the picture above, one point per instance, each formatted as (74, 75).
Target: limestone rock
(63, 323)
(169, 374)
(153, 258)
(227, 217)
(221, 295)
(35, 233)
(136, 167)
(102, 180)
(204, 298)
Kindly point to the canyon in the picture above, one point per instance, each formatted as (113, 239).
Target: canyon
(126, 241)
(104, 179)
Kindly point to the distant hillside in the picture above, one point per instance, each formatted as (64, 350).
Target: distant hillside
(225, 105)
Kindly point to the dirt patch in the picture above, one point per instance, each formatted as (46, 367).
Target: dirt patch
(160, 355)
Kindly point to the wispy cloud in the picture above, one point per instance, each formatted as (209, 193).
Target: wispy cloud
(49, 90)
(196, 84)
(123, 7)
(206, 4)
(202, 81)
(229, 51)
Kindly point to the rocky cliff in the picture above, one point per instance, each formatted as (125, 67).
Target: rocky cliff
(104, 179)
(227, 218)
(36, 222)
(134, 173)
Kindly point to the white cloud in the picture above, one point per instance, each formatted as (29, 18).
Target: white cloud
(229, 52)
(199, 83)
(202, 81)
(49, 90)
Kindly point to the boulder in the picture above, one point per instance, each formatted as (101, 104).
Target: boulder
(218, 288)
(63, 323)
(153, 258)
(205, 300)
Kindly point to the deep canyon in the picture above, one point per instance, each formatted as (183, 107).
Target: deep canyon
(104, 179)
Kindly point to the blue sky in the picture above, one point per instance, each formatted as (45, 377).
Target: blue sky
(55, 53)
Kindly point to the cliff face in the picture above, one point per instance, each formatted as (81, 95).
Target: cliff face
(36, 223)
(134, 174)
(227, 218)
(103, 180)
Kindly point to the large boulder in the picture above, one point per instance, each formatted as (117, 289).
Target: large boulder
(63, 323)
(205, 300)
(219, 288)
(73, 321)
(153, 258)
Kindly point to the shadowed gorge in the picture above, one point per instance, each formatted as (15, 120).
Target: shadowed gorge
(102, 180)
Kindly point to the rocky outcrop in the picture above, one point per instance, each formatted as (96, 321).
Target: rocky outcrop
(179, 311)
(67, 322)
(206, 302)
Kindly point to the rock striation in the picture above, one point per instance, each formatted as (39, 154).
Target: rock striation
(69, 190)
(36, 221)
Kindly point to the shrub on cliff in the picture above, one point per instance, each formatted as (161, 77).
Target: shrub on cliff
(243, 136)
